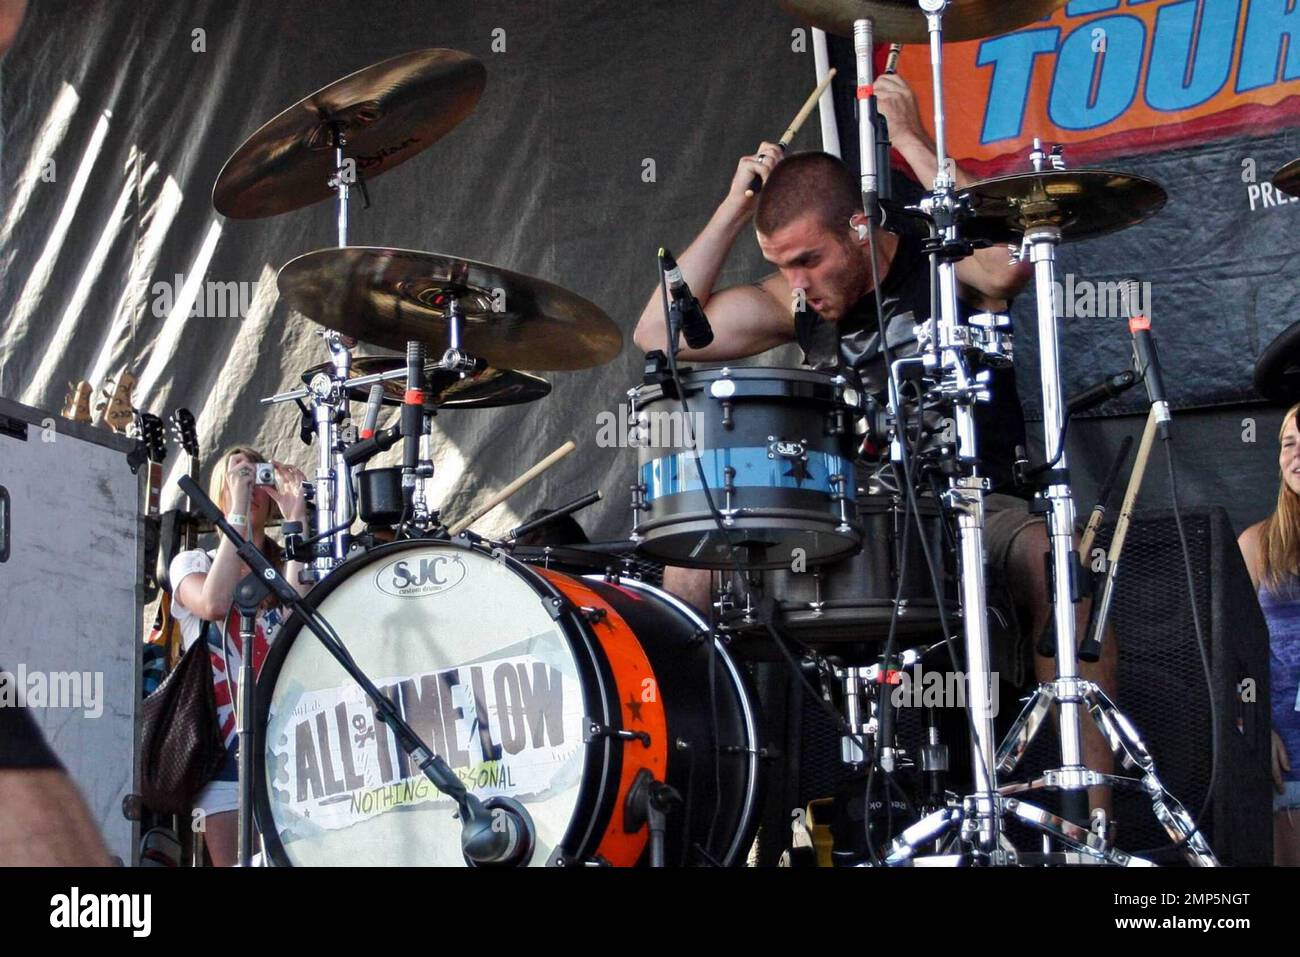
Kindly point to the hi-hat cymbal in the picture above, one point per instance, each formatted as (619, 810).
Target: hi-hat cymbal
(1083, 203)
(487, 388)
(387, 113)
(901, 21)
(387, 297)
(1288, 178)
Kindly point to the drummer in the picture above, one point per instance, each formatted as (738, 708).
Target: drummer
(809, 224)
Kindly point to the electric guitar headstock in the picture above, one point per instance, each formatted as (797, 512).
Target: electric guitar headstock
(151, 432)
(115, 409)
(186, 434)
(76, 404)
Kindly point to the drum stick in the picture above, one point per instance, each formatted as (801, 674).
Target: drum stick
(793, 130)
(1090, 649)
(891, 65)
(513, 487)
(1103, 500)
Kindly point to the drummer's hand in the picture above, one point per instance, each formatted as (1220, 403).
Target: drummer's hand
(760, 163)
(897, 104)
(288, 492)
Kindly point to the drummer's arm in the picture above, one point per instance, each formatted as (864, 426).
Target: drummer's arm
(989, 271)
(746, 320)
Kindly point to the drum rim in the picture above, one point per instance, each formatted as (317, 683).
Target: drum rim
(648, 393)
(592, 785)
(747, 706)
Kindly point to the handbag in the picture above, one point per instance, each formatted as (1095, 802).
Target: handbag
(181, 743)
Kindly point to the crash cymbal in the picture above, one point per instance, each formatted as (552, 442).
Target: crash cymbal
(1083, 202)
(387, 297)
(487, 388)
(1288, 178)
(901, 21)
(387, 113)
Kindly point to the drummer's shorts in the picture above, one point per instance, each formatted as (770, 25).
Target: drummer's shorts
(1011, 649)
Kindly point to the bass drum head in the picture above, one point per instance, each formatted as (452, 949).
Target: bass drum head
(464, 643)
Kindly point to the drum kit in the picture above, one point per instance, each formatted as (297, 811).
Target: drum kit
(492, 710)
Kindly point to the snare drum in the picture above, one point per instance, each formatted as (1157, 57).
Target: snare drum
(776, 447)
(555, 690)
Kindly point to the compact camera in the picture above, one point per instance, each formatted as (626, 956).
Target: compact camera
(265, 474)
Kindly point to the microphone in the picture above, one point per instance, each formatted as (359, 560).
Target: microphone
(1107, 388)
(502, 836)
(863, 45)
(693, 323)
(364, 449)
(412, 416)
(578, 503)
(1147, 363)
(373, 405)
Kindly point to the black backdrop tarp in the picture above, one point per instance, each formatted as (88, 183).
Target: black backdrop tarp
(549, 176)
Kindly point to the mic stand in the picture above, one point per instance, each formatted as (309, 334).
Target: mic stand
(249, 594)
(498, 830)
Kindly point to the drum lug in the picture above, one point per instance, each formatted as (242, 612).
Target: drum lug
(555, 608)
(594, 730)
(593, 615)
(839, 483)
(638, 506)
(728, 420)
(729, 489)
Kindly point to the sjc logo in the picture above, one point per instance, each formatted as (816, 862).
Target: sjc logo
(420, 576)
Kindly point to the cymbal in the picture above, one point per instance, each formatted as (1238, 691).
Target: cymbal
(487, 388)
(387, 113)
(1288, 178)
(386, 297)
(1084, 203)
(901, 21)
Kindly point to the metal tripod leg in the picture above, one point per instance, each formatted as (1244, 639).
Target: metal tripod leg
(1031, 718)
(1071, 834)
(1169, 811)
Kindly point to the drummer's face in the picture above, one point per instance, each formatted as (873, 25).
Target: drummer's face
(820, 261)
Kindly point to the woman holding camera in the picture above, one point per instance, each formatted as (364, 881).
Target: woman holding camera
(203, 591)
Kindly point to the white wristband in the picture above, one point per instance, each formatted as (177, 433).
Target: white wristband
(237, 519)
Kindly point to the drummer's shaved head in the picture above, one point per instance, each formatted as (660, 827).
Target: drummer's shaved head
(808, 183)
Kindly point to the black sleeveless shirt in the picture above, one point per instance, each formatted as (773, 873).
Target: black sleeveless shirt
(854, 343)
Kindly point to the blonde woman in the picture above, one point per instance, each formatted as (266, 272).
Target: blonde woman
(203, 584)
(1272, 552)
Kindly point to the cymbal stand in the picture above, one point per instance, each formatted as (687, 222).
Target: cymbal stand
(943, 338)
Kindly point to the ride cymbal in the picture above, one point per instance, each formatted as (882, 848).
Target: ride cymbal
(387, 297)
(1083, 203)
(901, 21)
(386, 113)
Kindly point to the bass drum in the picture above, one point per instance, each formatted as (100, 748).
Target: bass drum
(533, 684)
